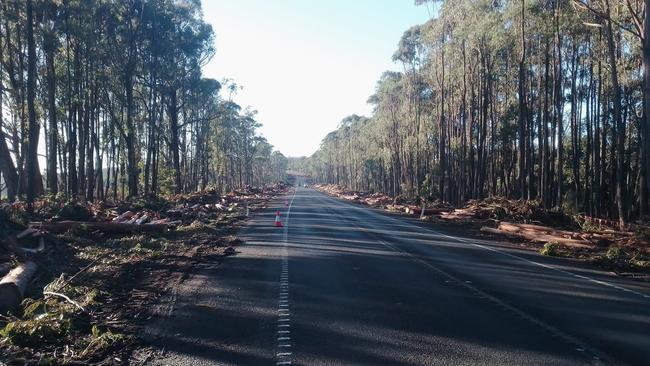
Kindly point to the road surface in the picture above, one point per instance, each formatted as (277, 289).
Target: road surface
(342, 284)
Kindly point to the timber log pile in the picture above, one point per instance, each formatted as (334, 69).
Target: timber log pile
(518, 219)
(542, 234)
(24, 244)
(380, 200)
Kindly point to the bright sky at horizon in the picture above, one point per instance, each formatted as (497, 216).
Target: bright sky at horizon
(305, 65)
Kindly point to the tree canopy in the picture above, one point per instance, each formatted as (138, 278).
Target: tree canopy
(112, 95)
(531, 99)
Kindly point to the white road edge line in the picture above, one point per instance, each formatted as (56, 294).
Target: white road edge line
(598, 355)
(547, 266)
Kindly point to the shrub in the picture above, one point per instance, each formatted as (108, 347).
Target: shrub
(550, 249)
(615, 253)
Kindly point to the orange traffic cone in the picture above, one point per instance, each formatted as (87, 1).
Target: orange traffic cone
(278, 223)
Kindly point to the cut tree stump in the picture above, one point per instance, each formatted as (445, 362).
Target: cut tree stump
(14, 285)
(105, 227)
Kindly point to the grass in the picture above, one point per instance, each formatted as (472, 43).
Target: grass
(587, 226)
(196, 227)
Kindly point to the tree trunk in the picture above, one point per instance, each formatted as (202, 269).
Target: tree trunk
(52, 174)
(522, 118)
(618, 122)
(7, 167)
(559, 107)
(32, 150)
(645, 125)
(174, 143)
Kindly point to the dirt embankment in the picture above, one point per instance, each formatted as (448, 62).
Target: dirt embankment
(99, 268)
(530, 225)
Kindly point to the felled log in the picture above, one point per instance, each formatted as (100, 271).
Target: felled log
(413, 210)
(393, 207)
(533, 229)
(543, 235)
(28, 232)
(105, 227)
(39, 247)
(35, 244)
(14, 285)
(143, 219)
(126, 216)
(459, 214)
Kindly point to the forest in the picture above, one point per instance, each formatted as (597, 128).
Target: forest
(109, 96)
(526, 99)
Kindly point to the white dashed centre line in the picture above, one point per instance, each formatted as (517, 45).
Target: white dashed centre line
(284, 312)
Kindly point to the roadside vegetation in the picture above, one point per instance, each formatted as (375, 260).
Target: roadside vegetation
(540, 100)
(96, 289)
(526, 224)
(121, 167)
(529, 118)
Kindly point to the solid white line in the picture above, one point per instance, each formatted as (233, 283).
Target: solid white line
(495, 250)
(495, 300)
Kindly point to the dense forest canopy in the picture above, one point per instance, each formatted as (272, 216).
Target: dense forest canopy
(110, 94)
(531, 99)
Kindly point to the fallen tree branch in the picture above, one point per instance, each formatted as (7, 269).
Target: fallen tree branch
(65, 298)
(69, 280)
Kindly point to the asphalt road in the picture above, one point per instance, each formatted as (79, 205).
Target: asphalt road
(341, 284)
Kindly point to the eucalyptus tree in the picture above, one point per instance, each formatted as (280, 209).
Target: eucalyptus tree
(117, 90)
(534, 99)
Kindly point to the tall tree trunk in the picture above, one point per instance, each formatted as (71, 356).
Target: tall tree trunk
(132, 163)
(618, 122)
(52, 174)
(7, 167)
(32, 150)
(522, 118)
(644, 189)
(559, 106)
(443, 137)
(175, 144)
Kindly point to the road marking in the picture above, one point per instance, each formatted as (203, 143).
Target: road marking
(284, 312)
(596, 355)
(495, 250)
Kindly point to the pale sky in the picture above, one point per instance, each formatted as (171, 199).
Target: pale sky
(306, 64)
